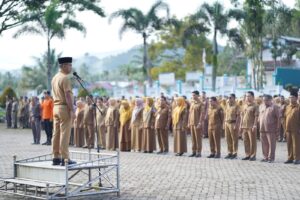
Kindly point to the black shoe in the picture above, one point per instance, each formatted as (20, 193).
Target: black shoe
(270, 161)
(264, 160)
(211, 156)
(145, 151)
(297, 162)
(159, 152)
(56, 161)
(234, 156)
(252, 159)
(217, 156)
(246, 158)
(45, 143)
(288, 162)
(228, 156)
(198, 155)
(178, 154)
(70, 162)
(192, 155)
(48, 143)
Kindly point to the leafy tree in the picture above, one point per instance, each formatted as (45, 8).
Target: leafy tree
(8, 79)
(8, 91)
(179, 52)
(54, 20)
(216, 18)
(143, 24)
(9, 14)
(82, 93)
(34, 77)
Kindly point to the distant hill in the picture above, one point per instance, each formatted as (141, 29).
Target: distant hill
(107, 63)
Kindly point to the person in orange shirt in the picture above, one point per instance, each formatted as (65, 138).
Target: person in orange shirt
(47, 116)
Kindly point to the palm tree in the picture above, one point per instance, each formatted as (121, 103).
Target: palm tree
(143, 24)
(34, 77)
(216, 19)
(53, 21)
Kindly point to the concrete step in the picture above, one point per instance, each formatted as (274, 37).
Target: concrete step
(41, 171)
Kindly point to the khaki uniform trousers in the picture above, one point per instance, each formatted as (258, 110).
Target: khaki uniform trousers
(62, 123)
(232, 138)
(214, 137)
(90, 135)
(293, 144)
(196, 139)
(268, 142)
(249, 142)
(163, 139)
(101, 136)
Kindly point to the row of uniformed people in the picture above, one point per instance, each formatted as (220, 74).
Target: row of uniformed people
(135, 125)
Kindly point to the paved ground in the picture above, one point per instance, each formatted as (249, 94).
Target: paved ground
(151, 176)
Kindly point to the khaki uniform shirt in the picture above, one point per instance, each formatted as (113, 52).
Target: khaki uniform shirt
(292, 118)
(162, 118)
(232, 113)
(249, 113)
(101, 117)
(89, 114)
(269, 118)
(61, 84)
(112, 117)
(195, 114)
(215, 118)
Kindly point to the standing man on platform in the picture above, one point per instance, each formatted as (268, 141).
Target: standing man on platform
(63, 112)
(47, 116)
(249, 117)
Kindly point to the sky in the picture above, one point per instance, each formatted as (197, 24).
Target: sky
(101, 38)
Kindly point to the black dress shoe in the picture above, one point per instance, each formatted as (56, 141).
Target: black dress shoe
(70, 162)
(198, 155)
(297, 162)
(159, 152)
(264, 160)
(178, 154)
(234, 156)
(211, 156)
(56, 161)
(228, 156)
(217, 156)
(246, 158)
(288, 162)
(252, 158)
(192, 155)
(45, 143)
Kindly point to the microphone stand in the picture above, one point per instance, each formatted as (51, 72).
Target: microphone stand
(81, 82)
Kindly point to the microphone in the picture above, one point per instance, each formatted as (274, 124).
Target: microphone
(76, 76)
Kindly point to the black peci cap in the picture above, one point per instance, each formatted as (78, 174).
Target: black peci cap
(64, 60)
(294, 93)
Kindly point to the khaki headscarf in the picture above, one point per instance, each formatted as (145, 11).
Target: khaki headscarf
(178, 110)
(148, 105)
(125, 112)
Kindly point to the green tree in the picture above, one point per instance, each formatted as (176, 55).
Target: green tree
(8, 91)
(82, 93)
(216, 18)
(143, 24)
(8, 79)
(54, 20)
(34, 77)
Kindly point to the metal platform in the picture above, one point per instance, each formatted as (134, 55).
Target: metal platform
(93, 174)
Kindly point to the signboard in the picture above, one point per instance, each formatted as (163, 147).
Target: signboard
(166, 79)
(192, 76)
(208, 69)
